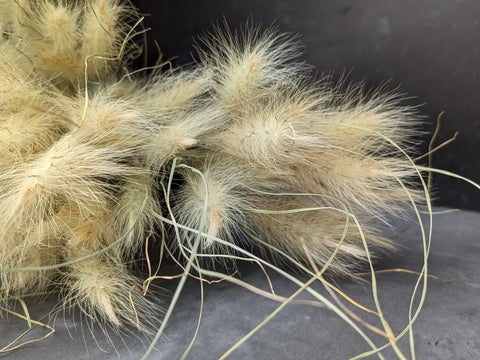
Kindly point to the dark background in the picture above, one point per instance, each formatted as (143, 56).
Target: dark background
(430, 49)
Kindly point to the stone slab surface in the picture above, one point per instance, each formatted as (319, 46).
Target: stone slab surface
(447, 328)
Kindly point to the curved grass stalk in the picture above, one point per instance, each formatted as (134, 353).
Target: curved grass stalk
(189, 264)
(448, 173)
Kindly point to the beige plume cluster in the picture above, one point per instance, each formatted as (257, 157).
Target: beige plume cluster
(86, 154)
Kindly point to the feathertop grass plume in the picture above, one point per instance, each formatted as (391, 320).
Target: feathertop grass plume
(222, 193)
(87, 170)
(246, 64)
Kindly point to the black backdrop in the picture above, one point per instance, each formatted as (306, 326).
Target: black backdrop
(429, 48)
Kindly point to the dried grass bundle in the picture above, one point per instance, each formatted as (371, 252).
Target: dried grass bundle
(86, 167)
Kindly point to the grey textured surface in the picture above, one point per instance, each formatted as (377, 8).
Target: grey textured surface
(447, 328)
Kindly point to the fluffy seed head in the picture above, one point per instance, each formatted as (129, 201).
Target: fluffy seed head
(220, 194)
(247, 64)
